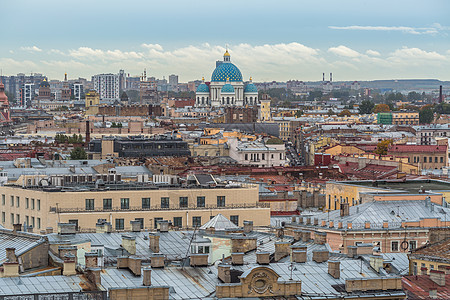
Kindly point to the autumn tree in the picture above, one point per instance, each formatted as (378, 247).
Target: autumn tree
(383, 146)
(381, 108)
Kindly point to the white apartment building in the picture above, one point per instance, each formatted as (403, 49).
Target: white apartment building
(107, 86)
(258, 153)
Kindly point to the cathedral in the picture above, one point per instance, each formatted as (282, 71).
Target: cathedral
(226, 88)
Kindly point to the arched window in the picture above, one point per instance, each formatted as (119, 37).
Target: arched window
(228, 100)
(203, 100)
(223, 100)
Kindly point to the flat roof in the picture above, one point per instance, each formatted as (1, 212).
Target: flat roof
(409, 186)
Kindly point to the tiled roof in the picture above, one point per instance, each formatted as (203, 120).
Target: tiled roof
(418, 148)
(438, 251)
(419, 286)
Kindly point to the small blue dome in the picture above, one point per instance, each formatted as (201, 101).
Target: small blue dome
(227, 88)
(203, 88)
(226, 70)
(250, 88)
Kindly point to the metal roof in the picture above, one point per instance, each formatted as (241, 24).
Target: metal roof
(22, 242)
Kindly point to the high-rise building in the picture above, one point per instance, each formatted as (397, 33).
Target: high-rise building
(173, 80)
(107, 85)
(26, 95)
(77, 91)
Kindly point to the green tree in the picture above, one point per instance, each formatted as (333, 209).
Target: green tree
(383, 146)
(366, 107)
(412, 96)
(78, 153)
(345, 113)
(426, 115)
(299, 113)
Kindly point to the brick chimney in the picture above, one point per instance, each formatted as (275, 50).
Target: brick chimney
(147, 278)
(93, 275)
(129, 243)
(438, 277)
(91, 259)
(320, 238)
(11, 255)
(17, 228)
(224, 273)
(281, 250)
(263, 257)
(135, 226)
(154, 242)
(334, 268)
(49, 230)
(199, 260)
(423, 271)
(299, 256)
(320, 256)
(157, 260)
(248, 226)
(69, 265)
(237, 258)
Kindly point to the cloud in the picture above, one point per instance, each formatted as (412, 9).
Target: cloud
(157, 47)
(56, 51)
(31, 49)
(373, 53)
(405, 29)
(94, 54)
(344, 51)
(416, 56)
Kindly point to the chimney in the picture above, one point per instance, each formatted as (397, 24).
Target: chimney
(103, 227)
(17, 228)
(438, 277)
(199, 260)
(154, 242)
(349, 225)
(339, 225)
(163, 226)
(297, 235)
(433, 294)
(67, 228)
(376, 262)
(299, 256)
(93, 275)
(135, 226)
(88, 133)
(69, 265)
(367, 225)
(263, 258)
(331, 77)
(224, 273)
(11, 255)
(237, 258)
(320, 238)
(385, 224)
(248, 226)
(300, 220)
(331, 224)
(352, 251)
(30, 228)
(316, 221)
(345, 209)
(281, 250)
(10, 269)
(294, 219)
(441, 97)
(49, 230)
(63, 250)
(134, 265)
(129, 243)
(157, 260)
(147, 278)
(306, 235)
(320, 256)
(423, 271)
(334, 268)
(91, 259)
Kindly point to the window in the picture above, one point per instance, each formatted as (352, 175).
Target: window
(394, 246)
(39, 223)
(27, 203)
(18, 219)
(431, 267)
(424, 159)
(235, 220)
(263, 156)
(415, 268)
(196, 221)
(141, 221)
(12, 200)
(27, 220)
(3, 199)
(18, 201)
(435, 159)
(32, 203)
(178, 222)
(156, 221)
(442, 159)
(89, 204)
(3, 217)
(107, 203)
(32, 221)
(12, 219)
(431, 159)
(145, 203)
(164, 202)
(246, 156)
(220, 201)
(38, 204)
(120, 224)
(412, 245)
(125, 203)
(183, 201)
(200, 201)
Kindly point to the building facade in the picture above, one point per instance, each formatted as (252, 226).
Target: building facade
(107, 85)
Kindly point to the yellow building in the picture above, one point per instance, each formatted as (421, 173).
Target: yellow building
(405, 118)
(184, 206)
(430, 257)
(264, 111)
(92, 101)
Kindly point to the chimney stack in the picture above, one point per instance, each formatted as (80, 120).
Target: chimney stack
(69, 265)
(17, 228)
(438, 277)
(441, 97)
(88, 133)
(129, 243)
(331, 77)
(11, 255)
(154, 242)
(334, 268)
(323, 77)
(147, 278)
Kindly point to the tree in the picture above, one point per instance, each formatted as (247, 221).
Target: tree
(345, 113)
(382, 147)
(78, 153)
(381, 108)
(412, 96)
(366, 107)
(426, 115)
(298, 113)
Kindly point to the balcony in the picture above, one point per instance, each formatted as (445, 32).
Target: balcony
(158, 208)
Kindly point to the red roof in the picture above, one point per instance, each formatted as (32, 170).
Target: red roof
(370, 171)
(419, 286)
(417, 148)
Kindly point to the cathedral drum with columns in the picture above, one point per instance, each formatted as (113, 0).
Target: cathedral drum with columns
(226, 88)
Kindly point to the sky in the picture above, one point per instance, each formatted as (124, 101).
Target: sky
(268, 40)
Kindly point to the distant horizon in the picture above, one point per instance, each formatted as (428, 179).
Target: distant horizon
(353, 39)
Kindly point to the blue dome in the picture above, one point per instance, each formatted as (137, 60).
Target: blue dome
(227, 88)
(226, 70)
(250, 88)
(203, 88)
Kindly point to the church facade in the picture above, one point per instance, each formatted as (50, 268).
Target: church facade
(226, 88)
